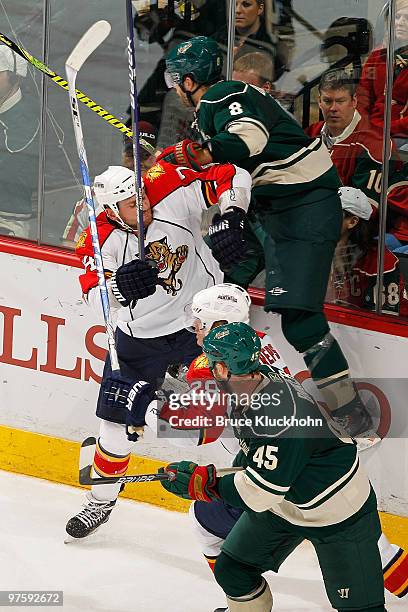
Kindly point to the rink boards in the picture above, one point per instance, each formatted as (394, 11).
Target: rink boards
(52, 348)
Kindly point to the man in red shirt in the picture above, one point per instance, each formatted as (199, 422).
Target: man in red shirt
(355, 147)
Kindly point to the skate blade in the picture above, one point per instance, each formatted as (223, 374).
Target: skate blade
(68, 539)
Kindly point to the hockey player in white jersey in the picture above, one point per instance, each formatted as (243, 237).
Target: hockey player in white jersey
(148, 300)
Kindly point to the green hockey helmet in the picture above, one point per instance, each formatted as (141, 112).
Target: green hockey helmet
(235, 344)
(200, 57)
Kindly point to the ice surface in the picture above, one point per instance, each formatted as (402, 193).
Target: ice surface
(144, 559)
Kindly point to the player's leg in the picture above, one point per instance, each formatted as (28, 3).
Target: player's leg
(140, 359)
(351, 565)
(257, 543)
(112, 455)
(299, 247)
(394, 562)
(309, 333)
(212, 522)
(181, 347)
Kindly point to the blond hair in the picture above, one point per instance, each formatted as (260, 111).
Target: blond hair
(260, 63)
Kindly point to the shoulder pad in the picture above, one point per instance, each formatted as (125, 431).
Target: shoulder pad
(163, 178)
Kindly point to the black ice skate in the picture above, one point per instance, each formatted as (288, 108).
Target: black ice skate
(94, 514)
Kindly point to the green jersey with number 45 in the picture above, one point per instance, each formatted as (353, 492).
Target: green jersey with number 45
(294, 465)
(246, 126)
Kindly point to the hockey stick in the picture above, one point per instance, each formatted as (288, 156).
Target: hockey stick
(85, 467)
(87, 45)
(135, 124)
(96, 108)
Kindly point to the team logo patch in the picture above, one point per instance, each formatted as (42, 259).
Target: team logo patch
(160, 252)
(81, 240)
(277, 291)
(183, 48)
(201, 362)
(154, 172)
(222, 334)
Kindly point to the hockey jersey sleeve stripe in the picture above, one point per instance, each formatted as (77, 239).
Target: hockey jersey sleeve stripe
(307, 164)
(253, 133)
(341, 482)
(270, 486)
(253, 495)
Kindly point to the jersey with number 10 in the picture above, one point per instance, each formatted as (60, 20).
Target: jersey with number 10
(246, 126)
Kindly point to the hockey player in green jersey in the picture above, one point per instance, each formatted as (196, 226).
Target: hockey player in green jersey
(298, 482)
(295, 216)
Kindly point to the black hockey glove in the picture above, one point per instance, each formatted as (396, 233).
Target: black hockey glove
(134, 281)
(133, 397)
(226, 237)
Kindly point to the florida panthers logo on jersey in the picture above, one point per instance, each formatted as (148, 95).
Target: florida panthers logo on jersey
(154, 173)
(160, 252)
(81, 240)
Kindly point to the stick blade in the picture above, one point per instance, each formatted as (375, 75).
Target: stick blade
(90, 41)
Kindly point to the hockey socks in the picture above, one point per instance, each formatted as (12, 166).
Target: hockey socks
(112, 456)
(395, 567)
(259, 600)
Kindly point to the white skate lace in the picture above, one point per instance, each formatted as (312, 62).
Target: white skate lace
(93, 512)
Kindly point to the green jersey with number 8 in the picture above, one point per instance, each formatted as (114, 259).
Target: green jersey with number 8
(246, 126)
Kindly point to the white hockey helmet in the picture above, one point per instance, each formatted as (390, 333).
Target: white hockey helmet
(222, 302)
(117, 183)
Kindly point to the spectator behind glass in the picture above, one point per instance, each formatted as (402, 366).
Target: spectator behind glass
(19, 127)
(251, 33)
(372, 83)
(256, 69)
(79, 219)
(354, 272)
(259, 69)
(355, 147)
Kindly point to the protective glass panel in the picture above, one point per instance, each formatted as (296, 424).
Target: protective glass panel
(326, 64)
(20, 86)
(104, 79)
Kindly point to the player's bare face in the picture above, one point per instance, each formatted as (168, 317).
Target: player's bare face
(128, 211)
(337, 106)
(200, 331)
(185, 101)
(401, 26)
